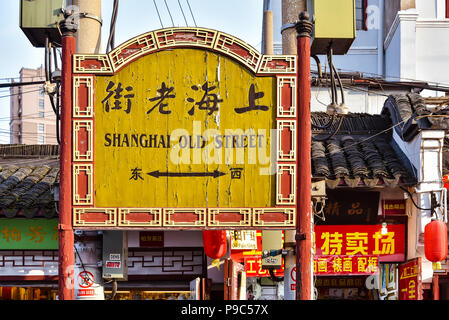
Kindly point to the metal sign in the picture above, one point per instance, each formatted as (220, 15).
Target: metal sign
(186, 128)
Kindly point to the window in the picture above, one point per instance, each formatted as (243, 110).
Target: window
(360, 14)
(40, 139)
(41, 104)
(41, 128)
(41, 115)
(41, 92)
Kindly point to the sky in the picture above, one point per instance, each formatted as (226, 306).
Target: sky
(240, 18)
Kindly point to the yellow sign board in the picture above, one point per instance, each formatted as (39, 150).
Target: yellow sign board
(184, 128)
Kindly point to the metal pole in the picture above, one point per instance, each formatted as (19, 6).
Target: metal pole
(304, 229)
(66, 236)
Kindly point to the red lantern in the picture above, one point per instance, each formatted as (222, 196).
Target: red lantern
(435, 241)
(446, 181)
(215, 243)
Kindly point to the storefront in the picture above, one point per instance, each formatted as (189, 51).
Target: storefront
(360, 245)
(28, 259)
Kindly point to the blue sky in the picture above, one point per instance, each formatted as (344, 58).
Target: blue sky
(240, 18)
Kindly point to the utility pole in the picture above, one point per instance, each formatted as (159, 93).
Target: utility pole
(66, 253)
(290, 13)
(304, 230)
(88, 38)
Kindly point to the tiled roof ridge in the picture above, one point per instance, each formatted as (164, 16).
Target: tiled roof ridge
(29, 150)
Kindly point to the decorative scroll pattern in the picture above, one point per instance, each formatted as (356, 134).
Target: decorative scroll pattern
(82, 184)
(92, 63)
(165, 261)
(182, 37)
(82, 140)
(184, 217)
(285, 184)
(83, 96)
(286, 140)
(24, 258)
(274, 217)
(286, 97)
(143, 217)
(98, 217)
(132, 49)
(229, 217)
(277, 64)
(197, 37)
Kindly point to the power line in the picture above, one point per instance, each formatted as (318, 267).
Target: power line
(15, 94)
(191, 12)
(154, 1)
(169, 13)
(182, 11)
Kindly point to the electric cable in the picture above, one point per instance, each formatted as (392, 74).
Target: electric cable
(111, 39)
(191, 12)
(182, 11)
(169, 13)
(154, 1)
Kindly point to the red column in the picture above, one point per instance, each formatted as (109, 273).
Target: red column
(304, 171)
(66, 237)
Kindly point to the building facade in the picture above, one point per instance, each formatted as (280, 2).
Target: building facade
(32, 119)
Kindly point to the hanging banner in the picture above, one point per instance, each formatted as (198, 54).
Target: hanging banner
(361, 240)
(30, 234)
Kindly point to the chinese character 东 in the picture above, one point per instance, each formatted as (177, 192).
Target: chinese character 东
(165, 92)
(136, 174)
(118, 94)
(208, 102)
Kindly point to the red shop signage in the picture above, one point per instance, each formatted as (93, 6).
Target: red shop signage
(361, 240)
(253, 268)
(393, 207)
(345, 265)
(410, 280)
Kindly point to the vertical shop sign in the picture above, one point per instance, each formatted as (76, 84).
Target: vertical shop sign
(410, 283)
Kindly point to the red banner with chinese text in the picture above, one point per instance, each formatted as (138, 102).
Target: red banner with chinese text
(361, 240)
(410, 280)
(253, 268)
(345, 265)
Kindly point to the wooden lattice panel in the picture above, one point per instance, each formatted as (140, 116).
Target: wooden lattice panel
(132, 49)
(286, 97)
(286, 140)
(274, 217)
(278, 64)
(184, 217)
(82, 184)
(92, 63)
(98, 217)
(82, 140)
(141, 217)
(285, 184)
(229, 217)
(197, 37)
(83, 96)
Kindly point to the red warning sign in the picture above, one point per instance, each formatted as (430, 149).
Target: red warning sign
(85, 279)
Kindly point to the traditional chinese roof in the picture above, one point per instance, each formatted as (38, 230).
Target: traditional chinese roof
(410, 113)
(28, 174)
(361, 153)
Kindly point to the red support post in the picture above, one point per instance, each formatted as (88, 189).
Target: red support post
(304, 230)
(66, 236)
